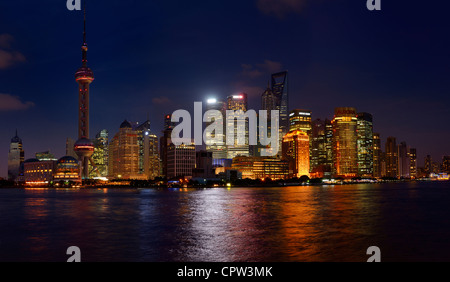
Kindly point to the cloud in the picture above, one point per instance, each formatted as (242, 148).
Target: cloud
(280, 8)
(161, 100)
(268, 67)
(6, 40)
(8, 57)
(13, 103)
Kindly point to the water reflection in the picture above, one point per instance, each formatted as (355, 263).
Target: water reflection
(328, 223)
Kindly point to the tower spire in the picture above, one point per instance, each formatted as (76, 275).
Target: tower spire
(84, 47)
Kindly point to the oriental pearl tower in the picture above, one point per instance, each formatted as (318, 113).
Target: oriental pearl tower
(84, 76)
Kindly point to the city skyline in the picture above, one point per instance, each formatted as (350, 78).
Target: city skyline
(43, 124)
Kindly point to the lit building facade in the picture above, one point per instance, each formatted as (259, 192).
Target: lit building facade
(219, 151)
(38, 173)
(101, 154)
(236, 103)
(180, 160)
(261, 167)
(413, 162)
(365, 144)
(377, 155)
(345, 149)
(124, 153)
(391, 157)
(67, 169)
(295, 150)
(16, 157)
(165, 141)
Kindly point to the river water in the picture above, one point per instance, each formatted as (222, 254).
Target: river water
(407, 221)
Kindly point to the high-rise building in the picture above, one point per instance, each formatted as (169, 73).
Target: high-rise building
(345, 149)
(219, 151)
(295, 150)
(365, 144)
(165, 141)
(16, 157)
(84, 76)
(413, 162)
(377, 155)
(236, 103)
(269, 101)
(124, 153)
(70, 143)
(319, 145)
(428, 165)
(404, 161)
(180, 160)
(149, 161)
(445, 164)
(280, 90)
(101, 154)
(391, 155)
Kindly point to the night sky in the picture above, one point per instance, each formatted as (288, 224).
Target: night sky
(153, 57)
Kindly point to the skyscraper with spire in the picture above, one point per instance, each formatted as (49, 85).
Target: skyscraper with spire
(84, 76)
(15, 157)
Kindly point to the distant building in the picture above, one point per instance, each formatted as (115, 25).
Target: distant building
(295, 150)
(70, 144)
(164, 143)
(219, 151)
(280, 89)
(365, 144)
(345, 149)
(445, 164)
(180, 160)
(149, 161)
(404, 161)
(124, 153)
(45, 156)
(320, 144)
(428, 165)
(204, 165)
(236, 103)
(261, 167)
(67, 169)
(377, 155)
(101, 154)
(16, 157)
(413, 162)
(391, 155)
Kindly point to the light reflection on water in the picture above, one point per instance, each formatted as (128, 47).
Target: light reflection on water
(327, 223)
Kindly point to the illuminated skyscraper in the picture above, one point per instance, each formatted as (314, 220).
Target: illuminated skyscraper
(84, 76)
(280, 90)
(149, 162)
(236, 103)
(295, 150)
(391, 155)
(413, 162)
(345, 150)
(377, 155)
(100, 156)
(219, 151)
(124, 153)
(404, 161)
(365, 144)
(16, 157)
(269, 101)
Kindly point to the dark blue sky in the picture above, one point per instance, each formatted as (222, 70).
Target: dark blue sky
(154, 57)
